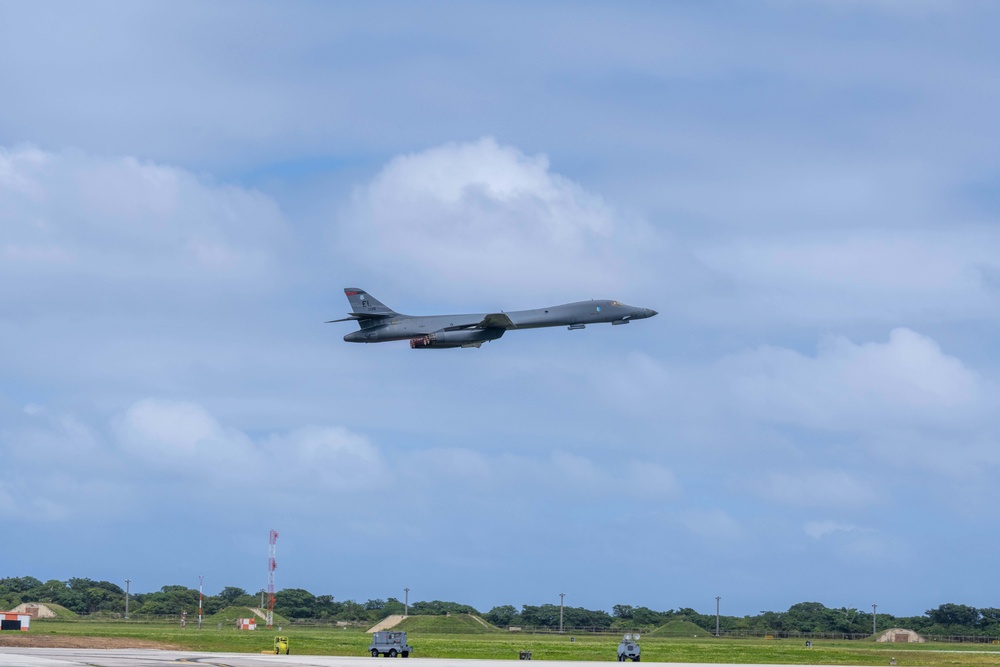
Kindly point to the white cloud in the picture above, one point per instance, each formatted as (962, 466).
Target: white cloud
(456, 468)
(857, 544)
(182, 436)
(814, 488)
(110, 266)
(583, 477)
(29, 502)
(879, 274)
(825, 422)
(187, 440)
(459, 470)
(904, 401)
(649, 480)
(58, 467)
(819, 529)
(716, 524)
(486, 216)
(630, 382)
(851, 387)
(65, 439)
(158, 444)
(327, 458)
(115, 224)
(905, 8)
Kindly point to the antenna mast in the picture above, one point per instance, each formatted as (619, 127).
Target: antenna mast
(271, 565)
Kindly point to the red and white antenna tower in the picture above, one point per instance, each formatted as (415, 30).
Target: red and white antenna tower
(271, 565)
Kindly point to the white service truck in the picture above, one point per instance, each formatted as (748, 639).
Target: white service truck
(387, 642)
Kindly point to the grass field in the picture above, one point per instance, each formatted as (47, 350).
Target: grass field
(325, 640)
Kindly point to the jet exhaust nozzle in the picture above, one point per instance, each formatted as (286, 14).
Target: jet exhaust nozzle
(423, 341)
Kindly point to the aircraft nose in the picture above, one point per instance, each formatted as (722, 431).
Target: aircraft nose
(650, 312)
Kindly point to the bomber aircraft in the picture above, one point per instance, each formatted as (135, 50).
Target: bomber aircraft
(379, 323)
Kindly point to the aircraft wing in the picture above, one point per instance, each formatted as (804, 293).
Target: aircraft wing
(496, 320)
(491, 321)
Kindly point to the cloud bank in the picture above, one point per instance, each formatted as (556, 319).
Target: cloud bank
(123, 227)
(488, 212)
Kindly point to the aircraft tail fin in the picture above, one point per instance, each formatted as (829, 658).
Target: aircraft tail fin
(365, 306)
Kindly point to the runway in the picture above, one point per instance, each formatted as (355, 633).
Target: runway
(11, 656)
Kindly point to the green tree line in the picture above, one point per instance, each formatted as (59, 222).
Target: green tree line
(85, 596)
(805, 617)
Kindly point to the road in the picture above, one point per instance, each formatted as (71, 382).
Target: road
(72, 657)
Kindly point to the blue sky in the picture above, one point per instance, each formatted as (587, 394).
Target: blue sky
(806, 191)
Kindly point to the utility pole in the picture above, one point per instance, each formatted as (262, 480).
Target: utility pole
(717, 599)
(201, 581)
(561, 598)
(127, 582)
(271, 565)
(406, 605)
(874, 619)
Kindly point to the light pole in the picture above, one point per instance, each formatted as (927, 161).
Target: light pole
(127, 582)
(874, 618)
(717, 599)
(406, 605)
(200, 582)
(561, 598)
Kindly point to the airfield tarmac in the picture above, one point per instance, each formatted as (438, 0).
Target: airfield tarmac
(78, 657)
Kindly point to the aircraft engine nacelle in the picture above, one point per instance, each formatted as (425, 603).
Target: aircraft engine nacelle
(461, 338)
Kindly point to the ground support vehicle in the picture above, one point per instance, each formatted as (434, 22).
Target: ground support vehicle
(628, 649)
(386, 642)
